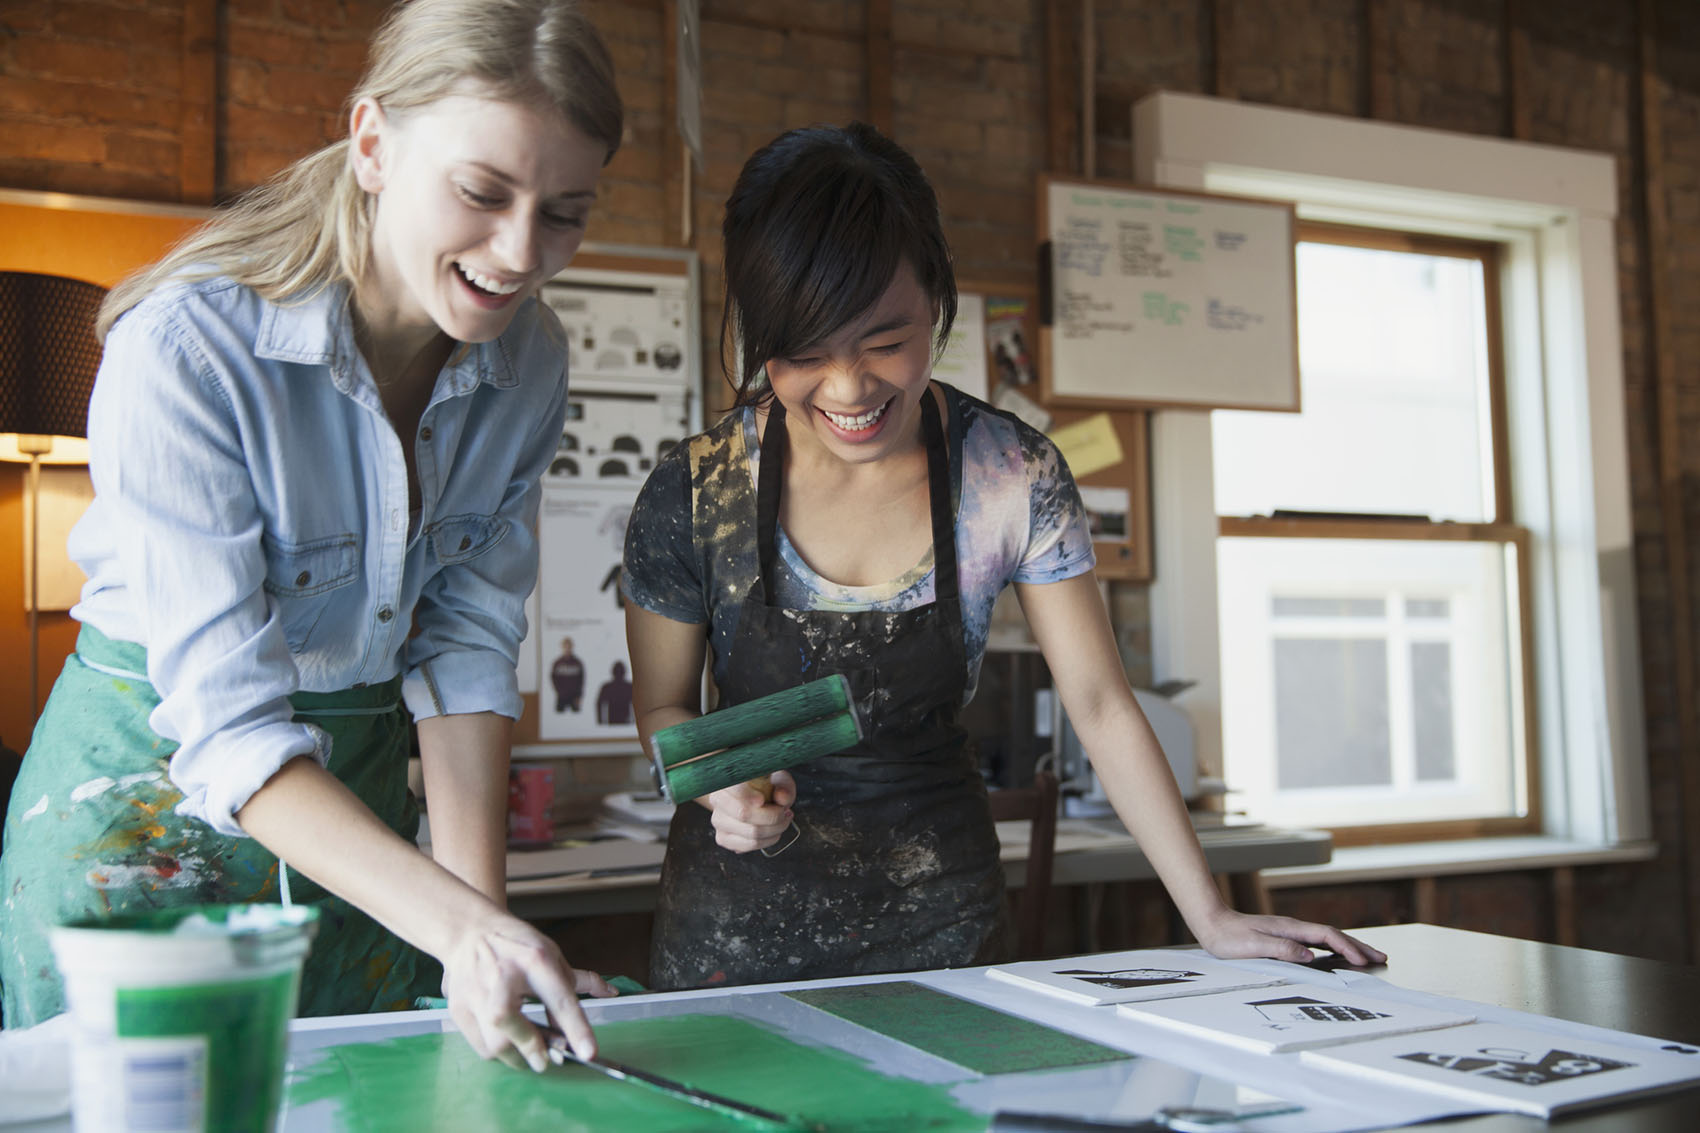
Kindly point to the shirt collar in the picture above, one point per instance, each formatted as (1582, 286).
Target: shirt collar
(319, 330)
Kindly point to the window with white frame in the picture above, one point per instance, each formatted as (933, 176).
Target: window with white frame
(1442, 664)
(1367, 571)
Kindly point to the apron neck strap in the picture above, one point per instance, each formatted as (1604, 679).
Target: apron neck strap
(771, 473)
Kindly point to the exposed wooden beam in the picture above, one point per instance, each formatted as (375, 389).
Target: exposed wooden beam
(1062, 117)
(1376, 85)
(675, 183)
(1671, 439)
(1220, 63)
(197, 161)
(1518, 121)
(879, 65)
(1088, 89)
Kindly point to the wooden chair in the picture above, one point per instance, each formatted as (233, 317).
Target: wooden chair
(1038, 805)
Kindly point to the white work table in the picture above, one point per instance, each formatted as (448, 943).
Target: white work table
(1501, 975)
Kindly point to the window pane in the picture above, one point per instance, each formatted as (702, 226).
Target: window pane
(1331, 713)
(1427, 608)
(1394, 384)
(1370, 680)
(1431, 705)
(1328, 607)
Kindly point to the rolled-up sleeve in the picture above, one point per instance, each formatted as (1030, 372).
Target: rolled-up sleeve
(471, 613)
(172, 481)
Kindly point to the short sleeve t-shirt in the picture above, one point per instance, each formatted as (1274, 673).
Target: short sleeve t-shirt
(1019, 518)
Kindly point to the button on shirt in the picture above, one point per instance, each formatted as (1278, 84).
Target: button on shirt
(250, 522)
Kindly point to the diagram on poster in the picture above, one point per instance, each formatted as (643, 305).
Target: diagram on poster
(1518, 1068)
(633, 326)
(1290, 1017)
(1126, 977)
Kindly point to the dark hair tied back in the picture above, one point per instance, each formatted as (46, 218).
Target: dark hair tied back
(815, 230)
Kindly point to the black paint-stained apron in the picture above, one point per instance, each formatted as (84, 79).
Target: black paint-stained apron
(896, 864)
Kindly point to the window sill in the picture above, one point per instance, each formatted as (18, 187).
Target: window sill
(1470, 855)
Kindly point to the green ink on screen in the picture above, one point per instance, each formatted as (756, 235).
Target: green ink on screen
(978, 1038)
(436, 1084)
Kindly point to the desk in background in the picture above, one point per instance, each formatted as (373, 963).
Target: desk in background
(609, 877)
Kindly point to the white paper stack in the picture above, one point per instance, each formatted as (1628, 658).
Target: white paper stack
(1128, 977)
(1289, 1017)
(1503, 1067)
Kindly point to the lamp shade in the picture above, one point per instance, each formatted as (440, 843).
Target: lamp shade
(48, 354)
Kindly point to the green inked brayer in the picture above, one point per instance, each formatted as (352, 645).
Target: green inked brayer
(746, 743)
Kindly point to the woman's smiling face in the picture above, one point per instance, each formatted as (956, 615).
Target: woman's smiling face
(858, 393)
(479, 202)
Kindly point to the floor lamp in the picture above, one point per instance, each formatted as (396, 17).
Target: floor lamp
(48, 359)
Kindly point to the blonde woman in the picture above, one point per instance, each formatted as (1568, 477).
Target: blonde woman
(317, 435)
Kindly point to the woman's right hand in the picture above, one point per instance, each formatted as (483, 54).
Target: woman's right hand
(744, 820)
(491, 969)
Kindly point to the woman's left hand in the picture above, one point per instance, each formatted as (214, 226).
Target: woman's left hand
(1242, 936)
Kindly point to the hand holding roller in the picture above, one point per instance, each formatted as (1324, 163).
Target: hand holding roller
(747, 742)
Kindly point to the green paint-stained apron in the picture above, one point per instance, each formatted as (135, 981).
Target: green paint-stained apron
(92, 831)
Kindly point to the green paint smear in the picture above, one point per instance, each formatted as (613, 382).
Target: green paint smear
(426, 1083)
(968, 1034)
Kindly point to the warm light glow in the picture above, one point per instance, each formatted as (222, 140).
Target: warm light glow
(61, 450)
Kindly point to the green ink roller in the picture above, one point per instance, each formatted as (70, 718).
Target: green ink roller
(745, 743)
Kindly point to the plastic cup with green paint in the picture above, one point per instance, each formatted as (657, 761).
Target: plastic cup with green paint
(182, 1015)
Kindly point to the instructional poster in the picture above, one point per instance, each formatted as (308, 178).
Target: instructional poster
(1173, 299)
(632, 366)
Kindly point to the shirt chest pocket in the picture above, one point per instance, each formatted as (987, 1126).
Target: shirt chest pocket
(461, 537)
(302, 579)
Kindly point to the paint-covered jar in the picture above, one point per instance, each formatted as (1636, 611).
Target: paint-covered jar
(182, 1015)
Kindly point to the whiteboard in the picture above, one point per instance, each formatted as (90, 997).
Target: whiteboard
(1166, 299)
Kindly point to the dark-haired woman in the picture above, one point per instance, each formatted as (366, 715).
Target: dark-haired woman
(851, 515)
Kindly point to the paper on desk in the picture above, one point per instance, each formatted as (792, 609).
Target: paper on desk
(1517, 1068)
(1290, 1017)
(614, 854)
(1124, 977)
(35, 1071)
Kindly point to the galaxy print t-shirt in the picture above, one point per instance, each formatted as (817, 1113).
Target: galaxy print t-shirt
(1018, 519)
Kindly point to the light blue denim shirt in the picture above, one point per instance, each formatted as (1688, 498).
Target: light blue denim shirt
(251, 524)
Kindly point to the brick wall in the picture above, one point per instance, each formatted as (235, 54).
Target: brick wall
(90, 102)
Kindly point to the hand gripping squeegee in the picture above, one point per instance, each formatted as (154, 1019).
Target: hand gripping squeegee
(747, 742)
